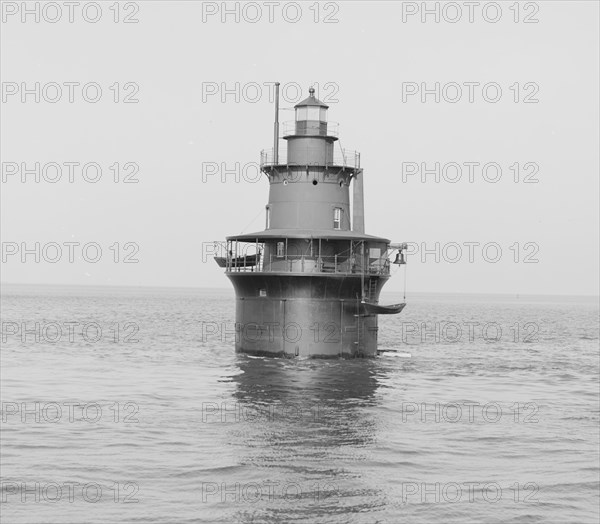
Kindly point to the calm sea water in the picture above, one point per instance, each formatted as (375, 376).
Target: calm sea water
(130, 405)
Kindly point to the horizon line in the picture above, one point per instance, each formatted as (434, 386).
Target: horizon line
(231, 289)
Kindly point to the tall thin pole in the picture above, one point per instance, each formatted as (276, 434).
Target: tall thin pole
(276, 126)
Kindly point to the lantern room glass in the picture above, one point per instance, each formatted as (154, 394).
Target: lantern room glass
(315, 113)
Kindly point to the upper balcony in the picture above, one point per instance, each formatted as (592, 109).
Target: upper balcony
(247, 257)
(341, 157)
(303, 264)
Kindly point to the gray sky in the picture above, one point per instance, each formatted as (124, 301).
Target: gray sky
(360, 65)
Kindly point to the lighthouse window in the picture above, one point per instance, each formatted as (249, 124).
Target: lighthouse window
(268, 226)
(280, 249)
(313, 113)
(337, 218)
(301, 113)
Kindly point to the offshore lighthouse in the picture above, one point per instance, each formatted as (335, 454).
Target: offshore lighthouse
(308, 285)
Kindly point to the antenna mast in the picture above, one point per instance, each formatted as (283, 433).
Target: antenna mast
(276, 127)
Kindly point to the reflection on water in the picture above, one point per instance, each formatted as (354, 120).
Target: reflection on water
(264, 380)
(306, 425)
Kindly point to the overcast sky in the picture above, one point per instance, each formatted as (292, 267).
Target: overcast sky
(365, 59)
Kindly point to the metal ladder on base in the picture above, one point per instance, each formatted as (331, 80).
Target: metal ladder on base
(372, 291)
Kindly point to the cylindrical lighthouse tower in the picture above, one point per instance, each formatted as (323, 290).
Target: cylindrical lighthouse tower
(309, 284)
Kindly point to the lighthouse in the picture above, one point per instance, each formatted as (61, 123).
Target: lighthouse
(308, 285)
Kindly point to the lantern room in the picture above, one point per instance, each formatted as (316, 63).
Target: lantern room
(311, 116)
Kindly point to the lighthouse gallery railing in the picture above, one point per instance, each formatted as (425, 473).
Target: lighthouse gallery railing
(341, 157)
(256, 262)
(304, 264)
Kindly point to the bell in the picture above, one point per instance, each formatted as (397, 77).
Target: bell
(399, 258)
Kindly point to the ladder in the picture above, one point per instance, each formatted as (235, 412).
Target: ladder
(371, 294)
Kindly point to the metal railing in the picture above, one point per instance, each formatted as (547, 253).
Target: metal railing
(289, 128)
(306, 264)
(341, 157)
(346, 158)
